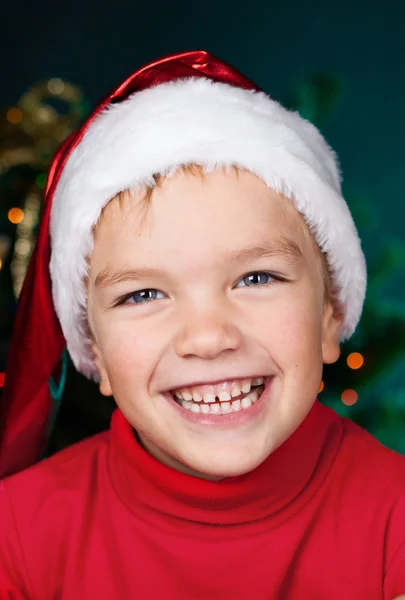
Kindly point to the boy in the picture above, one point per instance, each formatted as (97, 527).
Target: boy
(204, 266)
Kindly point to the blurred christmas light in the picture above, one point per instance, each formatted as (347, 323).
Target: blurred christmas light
(56, 86)
(321, 387)
(25, 234)
(2, 378)
(1, 264)
(355, 360)
(43, 115)
(15, 215)
(22, 247)
(14, 116)
(349, 397)
(5, 243)
(39, 127)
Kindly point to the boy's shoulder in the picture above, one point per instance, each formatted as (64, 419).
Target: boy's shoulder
(365, 469)
(38, 505)
(368, 453)
(67, 472)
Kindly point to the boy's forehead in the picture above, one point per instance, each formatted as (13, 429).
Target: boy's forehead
(136, 212)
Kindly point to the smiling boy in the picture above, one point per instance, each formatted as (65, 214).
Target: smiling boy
(243, 304)
(204, 267)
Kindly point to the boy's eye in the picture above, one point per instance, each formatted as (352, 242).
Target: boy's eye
(255, 279)
(258, 278)
(141, 297)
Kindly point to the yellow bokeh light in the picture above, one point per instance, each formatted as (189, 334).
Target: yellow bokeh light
(56, 86)
(321, 387)
(1, 264)
(349, 397)
(22, 247)
(14, 116)
(355, 360)
(15, 215)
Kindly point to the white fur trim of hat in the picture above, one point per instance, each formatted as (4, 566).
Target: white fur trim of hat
(196, 120)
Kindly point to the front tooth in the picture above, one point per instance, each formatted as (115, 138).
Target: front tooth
(235, 405)
(215, 409)
(204, 408)
(194, 408)
(246, 385)
(226, 408)
(253, 396)
(186, 404)
(209, 397)
(235, 390)
(224, 396)
(197, 397)
(257, 381)
(246, 402)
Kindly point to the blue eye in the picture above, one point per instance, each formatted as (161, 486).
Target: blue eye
(254, 279)
(258, 278)
(141, 297)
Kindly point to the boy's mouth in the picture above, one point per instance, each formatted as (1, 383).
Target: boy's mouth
(240, 396)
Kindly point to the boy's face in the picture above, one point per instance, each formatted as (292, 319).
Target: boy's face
(204, 318)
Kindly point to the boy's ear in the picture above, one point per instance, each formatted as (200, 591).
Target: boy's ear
(331, 328)
(105, 387)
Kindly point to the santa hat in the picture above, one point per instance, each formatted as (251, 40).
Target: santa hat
(181, 109)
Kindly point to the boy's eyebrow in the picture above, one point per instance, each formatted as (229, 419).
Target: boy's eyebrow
(283, 247)
(109, 277)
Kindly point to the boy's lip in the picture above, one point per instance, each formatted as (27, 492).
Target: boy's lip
(228, 420)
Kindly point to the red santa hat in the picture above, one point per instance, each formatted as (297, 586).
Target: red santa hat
(181, 109)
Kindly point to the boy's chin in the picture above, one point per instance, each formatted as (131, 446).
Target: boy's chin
(226, 466)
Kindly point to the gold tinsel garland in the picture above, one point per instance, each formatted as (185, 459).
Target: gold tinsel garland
(30, 134)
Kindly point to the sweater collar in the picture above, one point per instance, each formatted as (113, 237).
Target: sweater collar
(277, 487)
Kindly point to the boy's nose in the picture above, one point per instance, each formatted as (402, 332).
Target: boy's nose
(207, 335)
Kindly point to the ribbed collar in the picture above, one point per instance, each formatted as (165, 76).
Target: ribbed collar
(274, 490)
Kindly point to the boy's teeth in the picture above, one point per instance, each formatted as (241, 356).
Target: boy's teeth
(219, 399)
(235, 405)
(246, 385)
(224, 391)
(223, 407)
(246, 402)
(253, 396)
(235, 390)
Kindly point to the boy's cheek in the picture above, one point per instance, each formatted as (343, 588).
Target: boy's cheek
(127, 361)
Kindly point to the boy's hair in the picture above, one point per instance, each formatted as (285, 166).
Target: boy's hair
(126, 197)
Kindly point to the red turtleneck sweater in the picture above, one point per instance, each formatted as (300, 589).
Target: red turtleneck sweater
(322, 518)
